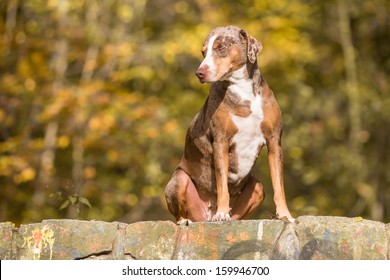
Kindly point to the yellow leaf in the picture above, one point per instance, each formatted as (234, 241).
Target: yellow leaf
(63, 141)
(89, 172)
(131, 199)
(170, 126)
(27, 174)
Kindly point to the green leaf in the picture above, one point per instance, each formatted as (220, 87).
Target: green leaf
(73, 199)
(64, 205)
(85, 201)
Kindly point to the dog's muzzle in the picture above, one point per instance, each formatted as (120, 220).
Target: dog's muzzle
(201, 73)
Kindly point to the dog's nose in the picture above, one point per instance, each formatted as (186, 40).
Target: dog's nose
(201, 74)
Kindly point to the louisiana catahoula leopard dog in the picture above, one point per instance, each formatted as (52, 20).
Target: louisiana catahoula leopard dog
(213, 181)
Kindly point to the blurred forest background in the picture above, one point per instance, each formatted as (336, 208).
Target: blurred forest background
(96, 97)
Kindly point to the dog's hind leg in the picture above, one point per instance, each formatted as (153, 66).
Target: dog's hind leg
(183, 199)
(251, 196)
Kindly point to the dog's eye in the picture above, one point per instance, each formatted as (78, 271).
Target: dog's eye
(203, 51)
(220, 47)
(217, 45)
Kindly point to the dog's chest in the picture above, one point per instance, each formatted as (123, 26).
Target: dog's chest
(247, 141)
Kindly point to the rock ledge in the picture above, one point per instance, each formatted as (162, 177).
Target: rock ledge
(310, 237)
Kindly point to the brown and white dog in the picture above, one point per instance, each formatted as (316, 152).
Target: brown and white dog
(213, 181)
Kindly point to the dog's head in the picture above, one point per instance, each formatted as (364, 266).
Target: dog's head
(225, 50)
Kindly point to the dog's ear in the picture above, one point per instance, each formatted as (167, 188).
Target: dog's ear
(253, 46)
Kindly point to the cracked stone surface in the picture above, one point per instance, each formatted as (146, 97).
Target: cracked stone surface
(6, 231)
(65, 239)
(151, 240)
(228, 240)
(308, 238)
(342, 238)
(388, 240)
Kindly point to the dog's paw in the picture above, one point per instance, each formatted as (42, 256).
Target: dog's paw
(285, 219)
(184, 222)
(291, 220)
(221, 216)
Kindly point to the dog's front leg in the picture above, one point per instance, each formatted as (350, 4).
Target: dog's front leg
(221, 165)
(275, 160)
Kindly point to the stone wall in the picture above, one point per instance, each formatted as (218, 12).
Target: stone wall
(309, 238)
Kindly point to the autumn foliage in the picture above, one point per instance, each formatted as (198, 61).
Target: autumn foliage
(96, 96)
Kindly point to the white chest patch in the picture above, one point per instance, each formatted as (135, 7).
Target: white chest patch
(248, 139)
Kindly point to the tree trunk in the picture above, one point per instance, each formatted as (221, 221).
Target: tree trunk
(358, 175)
(60, 65)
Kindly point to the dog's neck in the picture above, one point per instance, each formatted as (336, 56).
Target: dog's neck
(243, 82)
(247, 71)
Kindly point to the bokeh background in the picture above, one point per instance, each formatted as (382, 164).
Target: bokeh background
(96, 97)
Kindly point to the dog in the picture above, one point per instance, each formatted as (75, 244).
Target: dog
(213, 181)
